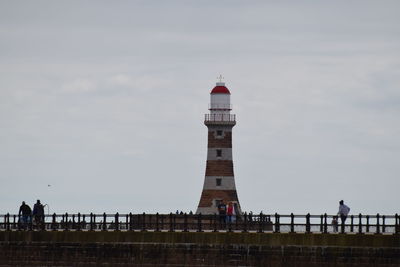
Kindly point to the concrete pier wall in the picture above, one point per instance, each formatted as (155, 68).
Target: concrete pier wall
(196, 249)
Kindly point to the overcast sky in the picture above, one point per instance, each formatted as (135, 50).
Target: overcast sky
(102, 103)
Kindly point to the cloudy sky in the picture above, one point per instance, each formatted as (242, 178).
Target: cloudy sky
(102, 103)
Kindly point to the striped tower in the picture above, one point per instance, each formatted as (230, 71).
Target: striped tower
(219, 182)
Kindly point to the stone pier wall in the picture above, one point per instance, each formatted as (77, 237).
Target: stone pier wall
(196, 249)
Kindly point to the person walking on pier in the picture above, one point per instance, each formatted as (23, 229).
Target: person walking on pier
(343, 211)
(26, 213)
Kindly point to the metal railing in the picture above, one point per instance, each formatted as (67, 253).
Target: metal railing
(219, 118)
(273, 223)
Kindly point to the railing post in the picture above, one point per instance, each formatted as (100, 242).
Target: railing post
(199, 223)
(84, 223)
(117, 221)
(277, 223)
(162, 221)
(53, 222)
(126, 222)
(292, 222)
(130, 221)
(367, 230)
(94, 222)
(7, 221)
(325, 223)
(174, 221)
(104, 222)
(66, 226)
(396, 224)
(21, 224)
(62, 222)
(185, 222)
(157, 222)
(321, 228)
(215, 222)
(245, 223)
(260, 223)
(171, 223)
(352, 224)
(236, 221)
(383, 224)
(308, 226)
(14, 222)
(378, 230)
(91, 222)
(144, 222)
(359, 223)
(73, 221)
(79, 222)
(44, 226)
(149, 226)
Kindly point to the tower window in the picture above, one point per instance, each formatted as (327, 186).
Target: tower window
(219, 132)
(219, 181)
(219, 152)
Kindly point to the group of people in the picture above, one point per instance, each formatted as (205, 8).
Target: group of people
(227, 213)
(28, 216)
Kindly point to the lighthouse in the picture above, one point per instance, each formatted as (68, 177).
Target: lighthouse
(219, 181)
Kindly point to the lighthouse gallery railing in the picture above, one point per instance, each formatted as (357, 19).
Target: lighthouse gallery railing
(219, 117)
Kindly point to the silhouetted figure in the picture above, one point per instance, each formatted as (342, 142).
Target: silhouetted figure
(38, 213)
(24, 214)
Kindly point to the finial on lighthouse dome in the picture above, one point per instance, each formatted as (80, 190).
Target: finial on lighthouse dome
(220, 87)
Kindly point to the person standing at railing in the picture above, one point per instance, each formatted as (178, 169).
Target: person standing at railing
(231, 212)
(38, 213)
(343, 211)
(222, 212)
(26, 212)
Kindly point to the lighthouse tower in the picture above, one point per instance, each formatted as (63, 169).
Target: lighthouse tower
(219, 182)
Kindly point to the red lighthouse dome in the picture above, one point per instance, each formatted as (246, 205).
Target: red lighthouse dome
(220, 89)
